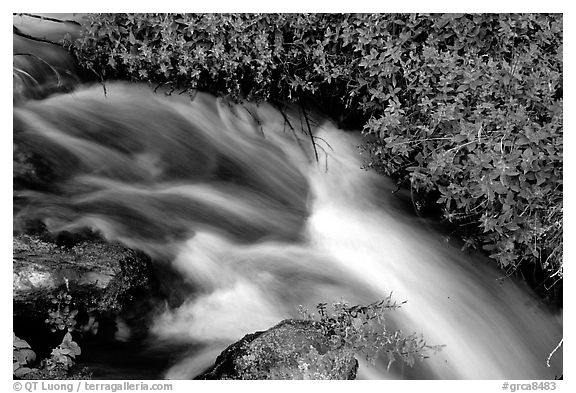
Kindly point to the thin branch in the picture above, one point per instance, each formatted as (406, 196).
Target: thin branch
(461, 146)
(552, 285)
(286, 121)
(28, 75)
(18, 32)
(160, 84)
(255, 119)
(420, 140)
(101, 80)
(43, 61)
(324, 140)
(48, 18)
(325, 158)
(480, 133)
(552, 353)
(309, 128)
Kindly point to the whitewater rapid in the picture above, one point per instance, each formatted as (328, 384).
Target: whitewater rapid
(244, 213)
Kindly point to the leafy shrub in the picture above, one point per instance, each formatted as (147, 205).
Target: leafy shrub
(477, 117)
(363, 330)
(64, 354)
(57, 366)
(466, 110)
(320, 346)
(62, 316)
(22, 357)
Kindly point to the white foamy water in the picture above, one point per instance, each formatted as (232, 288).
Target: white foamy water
(359, 248)
(258, 228)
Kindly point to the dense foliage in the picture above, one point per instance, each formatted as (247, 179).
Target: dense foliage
(363, 330)
(62, 316)
(466, 110)
(57, 366)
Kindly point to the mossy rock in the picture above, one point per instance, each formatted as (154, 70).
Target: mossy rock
(293, 349)
(102, 277)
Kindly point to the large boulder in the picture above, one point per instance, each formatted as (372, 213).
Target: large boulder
(100, 276)
(293, 349)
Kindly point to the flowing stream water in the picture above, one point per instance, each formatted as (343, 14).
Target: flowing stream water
(233, 198)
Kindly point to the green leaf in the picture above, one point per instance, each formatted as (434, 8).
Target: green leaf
(67, 338)
(19, 343)
(23, 371)
(24, 356)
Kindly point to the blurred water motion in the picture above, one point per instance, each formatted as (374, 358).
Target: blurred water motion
(246, 215)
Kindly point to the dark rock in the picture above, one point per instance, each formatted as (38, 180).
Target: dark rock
(293, 349)
(101, 276)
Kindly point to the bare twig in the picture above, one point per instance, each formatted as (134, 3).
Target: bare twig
(552, 285)
(101, 80)
(160, 84)
(18, 32)
(26, 74)
(325, 157)
(255, 119)
(47, 18)
(420, 140)
(286, 121)
(552, 353)
(324, 140)
(45, 62)
(309, 129)
(461, 146)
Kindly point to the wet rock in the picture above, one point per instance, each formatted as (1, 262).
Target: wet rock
(293, 349)
(100, 277)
